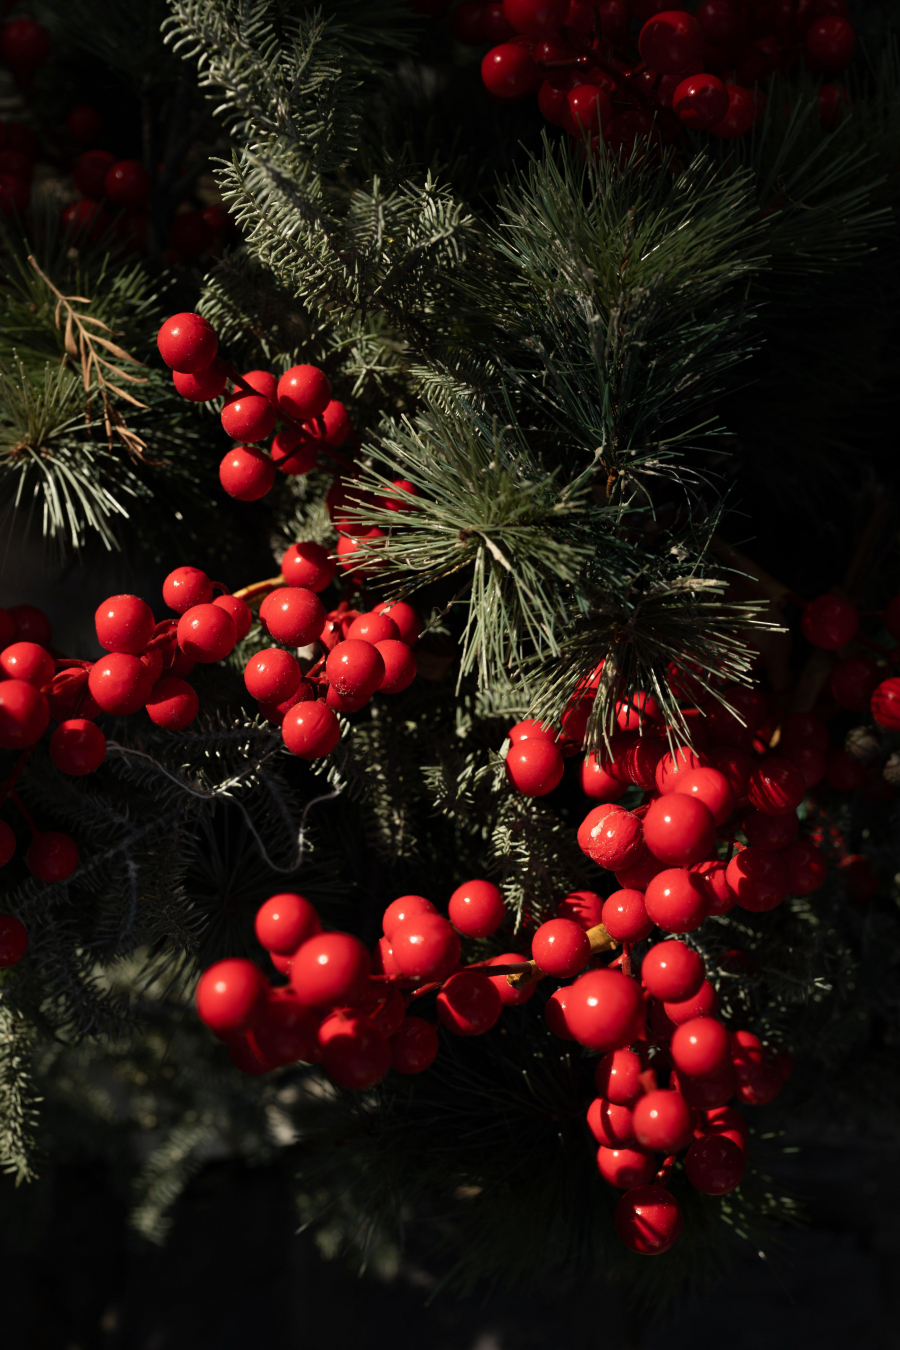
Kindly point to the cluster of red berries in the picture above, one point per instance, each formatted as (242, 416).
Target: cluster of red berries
(698, 71)
(24, 47)
(831, 623)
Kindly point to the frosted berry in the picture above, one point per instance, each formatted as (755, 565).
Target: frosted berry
(202, 385)
(272, 675)
(187, 342)
(625, 916)
(185, 587)
(715, 1165)
(759, 878)
(246, 473)
(829, 622)
(662, 1121)
(468, 1004)
(124, 623)
(776, 786)
(293, 615)
(120, 683)
(611, 1125)
(400, 666)
(508, 71)
(625, 1168)
(611, 837)
(679, 829)
(230, 994)
(476, 908)
(648, 1220)
(677, 900)
(308, 565)
(618, 1077)
(354, 669)
(310, 730)
(329, 969)
(561, 948)
(13, 940)
(355, 1054)
(27, 661)
(414, 1045)
(303, 392)
(671, 42)
(700, 1047)
(671, 971)
(77, 746)
(700, 102)
(534, 766)
(425, 947)
(239, 611)
(52, 856)
(603, 1009)
(172, 703)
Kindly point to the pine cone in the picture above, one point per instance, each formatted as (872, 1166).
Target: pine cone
(863, 744)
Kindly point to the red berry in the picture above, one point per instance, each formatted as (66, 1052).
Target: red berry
(303, 392)
(187, 342)
(23, 714)
(373, 627)
(508, 71)
(679, 829)
(272, 675)
(246, 473)
(13, 940)
(829, 622)
(405, 907)
(7, 843)
(248, 417)
(625, 1168)
(555, 1014)
(625, 916)
(127, 184)
(677, 900)
(29, 662)
(400, 666)
(759, 879)
(469, 1004)
(723, 22)
(886, 704)
(510, 995)
(240, 613)
(713, 875)
(672, 971)
(476, 908)
(806, 865)
(714, 1164)
(829, 45)
(77, 746)
(531, 729)
(590, 111)
(534, 766)
(740, 116)
(294, 451)
(425, 947)
(771, 832)
(561, 948)
(84, 123)
(355, 1054)
(329, 969)
(52, 856)
(662, 1121)
(700, 1048)
(670, 765)
(618, 1077)
(285, 921)
(599, 785)
(414, 1045)
(776, 786)
(310, 730)
(206, 633)
(293, 615)
(611, 1125)
(308, 565)
(230, 994)
(536, 18)
(89, 174)
(728, 1123)
(603, 1009)
(203, 385)
(702, 1004)
(185, 587)
(648, 1220)
(670, 42)
(172, 703)
(87, 219)
(124, 623)
(120, 683)
(611, 837)
(639, 874)
(24, 45)
(354, 669)
(406, 619)
(853, 681)
(585, 907)
(709, 786)
(285, 1030)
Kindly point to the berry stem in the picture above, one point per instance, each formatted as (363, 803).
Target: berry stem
(26, 814)
(259, 589)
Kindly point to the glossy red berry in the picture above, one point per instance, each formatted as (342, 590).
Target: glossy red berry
(469, 1004)
(625, 916)
(285, 921)
(709, 786)
(728, 1123)
(476, 908)
(806, 865)
(776, 786)
(597, 783)
(127, 184)
(303, 392)
(713, 875)
(425, 946)
(239, 611)
(508, 71)
(611, 837)
(531, 729)
(648, 1220)
(829, 622)
(405, 617)
(293, 615)
(294, 451)
(203, 385)
(329, 969)
(771, 832)
(618, 1077)
(640, 873)
(310, 730)
(403, 908)
(23, 714)
(759, 878)
(52, 856)
(400, 666)
(124, 623)
(585, 907)
(671, 42)
(561, 948)
(662, 1121)
(230, 994)
(704, 1003)
(536, 18)
(741, 114)
(700, 1048)
(534, 766)
(355, 669)
(590, 111)
(172, 703)
(677, 900)
(715, 1165)
(555, 1014)
(308, 565)
(679, 829)
(13, 940)
(373, 627)
(510, 995)
(603, 1009)
(885, 704)
(77, 746)
(27, 661)
(671, 765)
(672, 971)
(187, 342)
(248, 417)
(206, 633)
(120, 683)
(186, 587)
(272, 675)
(414, 1045)
(246, 473)
(355, 1054)
(828, 46)
(625, 1168)
(611, 1125)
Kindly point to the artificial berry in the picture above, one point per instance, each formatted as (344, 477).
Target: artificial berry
(625, 1168)
(355, 1054)
(671, 764)
(230, 994)
(303, 392)
(648, 1220)
(206, 633)
(700, 1047)
(611, 837)
(86, 218)
(829, 44)
(806, 865)
(172, 703)
(120, 683)
(27, 661)
(508, 71)
(293, 615)
(555, 1014)
(272, 675)
(274, 713)
(771, 832)
(662, 1121)
(534, 766)
(330, 968)
(597, 783)
(885, 704)
(672, 971)
(561, 948)
(24, 45)
(611, 1125)
(187, 342)
(714, 1164)
(285, 1030)
(202, 385)
(354, 669)
(248, 417)
(405, 617)
(704, 1003)
(23, 714)
(678, 828)
(246, 1055)
(285, 921)
(589, 111)
(476, 909)
(741, 114)
(709, 786)
(585, 907)
(759, 878)
(510, 995)
(713, 875)
(776, 786)
(308, 565)
(246, 473)
(603, 1009)
(469, 1004)
(77, 746)
(728, 1123)
(373, 627)
(677, 900)
(414, 1045)
(671, 41)
(536, 18)
(638, 875)
(403, 908)
(239, 611)
(625, 917)
(13, 940)
(425, 946)
(853, 681)
(294, 451)
(400, 666)
(124, 623)
(127, 184)
(531, 729)
(185, 587)
(829, 622)
(618, 1077)
(310, 730)
(52, 856)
